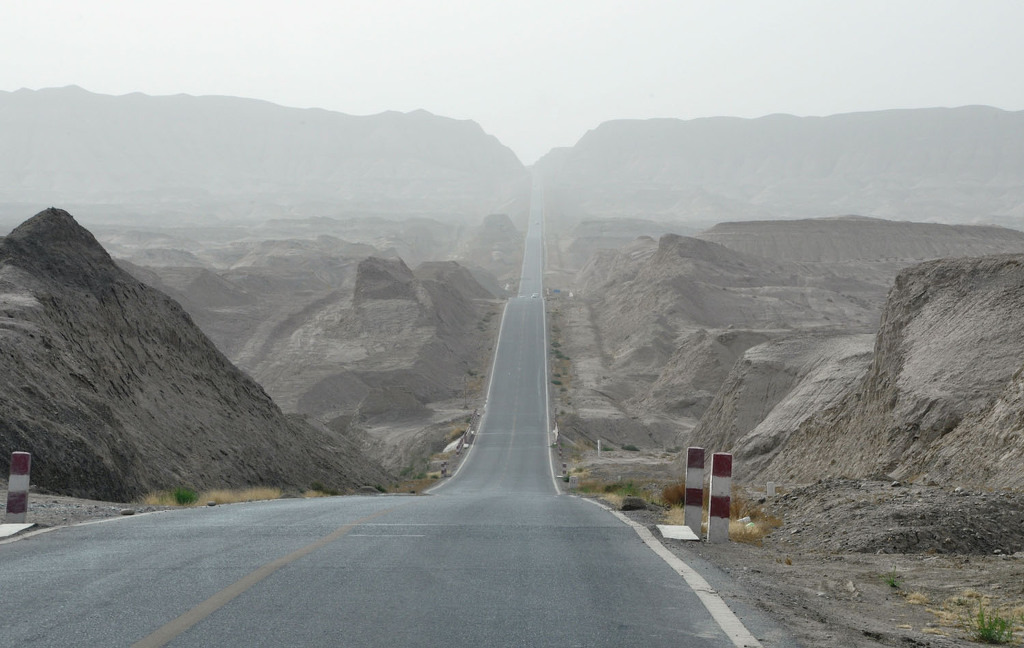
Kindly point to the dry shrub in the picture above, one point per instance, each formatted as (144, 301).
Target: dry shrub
(918, 598)
(674, 494)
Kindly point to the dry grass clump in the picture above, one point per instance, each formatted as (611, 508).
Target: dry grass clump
(917, 598)
(760, 525)
(675, 516)
(218, 496)
(315, 493)
(224, 496)
(614, 499)
(615, 492)
(674, 494)
(980, 617)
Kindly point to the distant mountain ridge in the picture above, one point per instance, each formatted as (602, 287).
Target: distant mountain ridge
(72, 146)
(956, 165)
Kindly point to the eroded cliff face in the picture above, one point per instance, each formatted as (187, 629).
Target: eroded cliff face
(772, 389)
(115, 392)
(942, 395)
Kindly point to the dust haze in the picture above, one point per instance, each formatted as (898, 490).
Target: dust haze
(837, 301)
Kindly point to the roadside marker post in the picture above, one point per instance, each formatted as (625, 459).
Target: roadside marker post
(17, 488)
(721, 486)
(693, 505)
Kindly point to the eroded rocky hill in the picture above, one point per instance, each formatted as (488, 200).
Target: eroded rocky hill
(360, 342)
(115, 392)
(730, 349)
(941, 398)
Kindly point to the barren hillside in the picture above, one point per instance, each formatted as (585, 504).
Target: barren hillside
(225, 157)
(115, 391)
(941, 396)
(360, 343)
(728, 348)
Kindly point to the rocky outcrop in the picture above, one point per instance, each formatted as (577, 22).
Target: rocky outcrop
(941, 395)
(115, 392)
(383, 279)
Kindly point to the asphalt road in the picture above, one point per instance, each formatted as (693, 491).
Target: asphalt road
(493, 557)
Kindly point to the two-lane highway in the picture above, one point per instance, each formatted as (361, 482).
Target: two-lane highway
(494, 557)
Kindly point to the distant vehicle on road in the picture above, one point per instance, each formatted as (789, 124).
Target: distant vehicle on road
(535, 295)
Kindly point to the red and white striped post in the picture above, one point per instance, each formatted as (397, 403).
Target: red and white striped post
(17, 488)
(721, 487)
(693, 504)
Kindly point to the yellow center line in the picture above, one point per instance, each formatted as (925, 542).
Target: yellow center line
(173, 629)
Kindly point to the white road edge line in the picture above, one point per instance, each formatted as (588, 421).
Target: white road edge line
(719, 610)
(547, 400)
(547, 369)
(483, 417)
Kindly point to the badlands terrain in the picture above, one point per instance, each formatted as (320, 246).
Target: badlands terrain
(870, 368)
(271, 280)
(735, 344)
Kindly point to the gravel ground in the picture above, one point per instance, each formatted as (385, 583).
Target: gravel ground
(824, 573)
(56, 510)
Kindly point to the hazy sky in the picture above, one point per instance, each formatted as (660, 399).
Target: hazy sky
(536, 74)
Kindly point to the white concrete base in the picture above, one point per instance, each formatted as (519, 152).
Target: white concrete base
(10, 529)
(677, 532)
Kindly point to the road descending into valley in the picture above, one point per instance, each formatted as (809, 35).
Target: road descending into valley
(495, 556)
